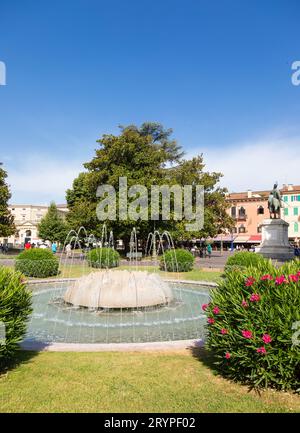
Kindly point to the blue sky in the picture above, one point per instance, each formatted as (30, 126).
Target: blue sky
(218, 73)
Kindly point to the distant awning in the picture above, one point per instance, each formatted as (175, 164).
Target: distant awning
(242, 239)
(255, 238)
(224, 238)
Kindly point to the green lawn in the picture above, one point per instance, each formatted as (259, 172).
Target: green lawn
(129, 382)
(77, 270)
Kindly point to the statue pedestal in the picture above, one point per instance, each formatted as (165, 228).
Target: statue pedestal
(275, 240)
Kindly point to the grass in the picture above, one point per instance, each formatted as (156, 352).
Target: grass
(129, 382)
(77, 270)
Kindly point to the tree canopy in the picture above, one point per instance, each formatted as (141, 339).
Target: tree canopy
(147, 156)
(7, 227)
(52, 226)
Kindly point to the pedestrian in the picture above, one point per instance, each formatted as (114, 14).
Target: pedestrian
(54, 247)
(27, 246)
(209, 250)
(68, 250)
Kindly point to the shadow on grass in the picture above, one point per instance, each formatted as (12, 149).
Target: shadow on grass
(21, 356)
(204, 356)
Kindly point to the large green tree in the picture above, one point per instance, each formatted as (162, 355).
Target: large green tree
(7, 226)
(52, 226)
(147, 156)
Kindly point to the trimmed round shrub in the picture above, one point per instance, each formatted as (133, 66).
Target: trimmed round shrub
(37, 263)
(254, 326)
(103, 258)
(177, 260)
(244, 259)
(15, 308)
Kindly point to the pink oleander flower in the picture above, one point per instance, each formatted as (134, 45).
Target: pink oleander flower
(261, 350)
(255, 297)
(266, 277)
(216, 310)
(211, 320)
(245, 304)
(280, 280)
(294, 278)
(250, 281)
(204, 307)
(247, 334)
(224, 331)
(266, 338)
(227, 355)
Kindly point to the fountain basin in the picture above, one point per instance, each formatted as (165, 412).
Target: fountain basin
(119, 289)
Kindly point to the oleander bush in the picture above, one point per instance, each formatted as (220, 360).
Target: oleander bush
(103, 258)
(177, 260)
(15, 308)
(36, 262)
(244, 259)
(254, 325)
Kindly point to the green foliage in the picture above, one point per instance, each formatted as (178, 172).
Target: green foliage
(7, 226)
(177, 260)
(52, 226)
(253, 320)
(145, 156)
(103, 258)
(36, 262)
(244, 259)
(15, 308)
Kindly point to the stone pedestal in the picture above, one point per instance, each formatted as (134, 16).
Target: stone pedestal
(275, 240)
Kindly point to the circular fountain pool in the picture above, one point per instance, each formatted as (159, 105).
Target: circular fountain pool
(54, 321)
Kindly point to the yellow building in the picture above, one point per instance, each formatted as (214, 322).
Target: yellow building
(27, 218)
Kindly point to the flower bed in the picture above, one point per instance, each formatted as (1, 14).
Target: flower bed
(254, 325)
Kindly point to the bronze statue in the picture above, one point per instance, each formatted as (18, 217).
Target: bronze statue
(275, 202)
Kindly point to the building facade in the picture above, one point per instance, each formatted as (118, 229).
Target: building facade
(27, 218)
(249, 209)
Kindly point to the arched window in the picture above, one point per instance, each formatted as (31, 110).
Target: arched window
(233, 211)
(260, 210)
(28, 233)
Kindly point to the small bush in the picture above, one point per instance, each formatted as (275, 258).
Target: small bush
(177, 260)
(37, 263)
(103, 258)
(15, 308)
(254, 323)
(244, 259)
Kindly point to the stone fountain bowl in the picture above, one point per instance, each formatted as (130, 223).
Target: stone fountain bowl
(119, 289)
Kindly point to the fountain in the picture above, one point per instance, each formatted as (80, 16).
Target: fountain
(119, 289)
(113, 305)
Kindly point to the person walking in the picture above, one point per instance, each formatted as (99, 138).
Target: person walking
(209, 250)
(54, 247)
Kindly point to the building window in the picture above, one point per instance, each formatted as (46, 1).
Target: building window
(295, 197)
(260, 210)
(259, 229)
(295, 211)
(233, 212)
(28, 233)
(234, 230)
(296, 227)
(286, 211)
(23, 217)
(242, 229)
(285, 198)
(242, 212)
